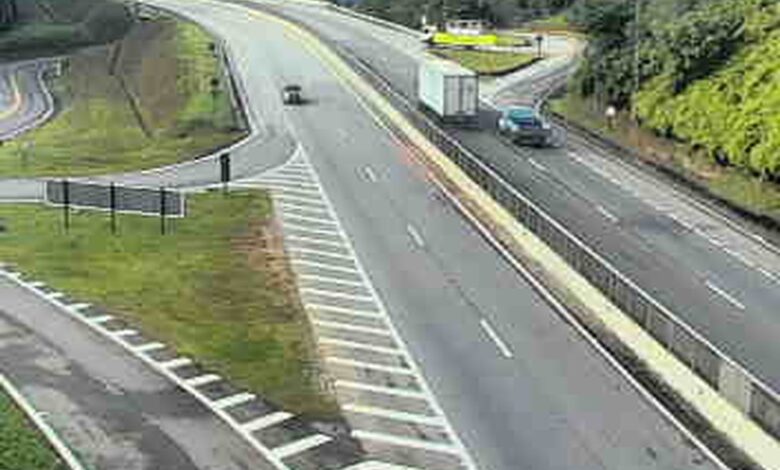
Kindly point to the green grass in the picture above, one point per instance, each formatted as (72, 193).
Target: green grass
(98, 131)
(211, 287)
(21, 446)
(487, 63)
(512, 40)
(735, 185)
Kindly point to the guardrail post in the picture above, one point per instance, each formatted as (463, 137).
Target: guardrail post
(162, 210)
(66, 204)
(112, 205)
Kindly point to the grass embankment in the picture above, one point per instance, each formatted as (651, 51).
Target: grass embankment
(740, 187)
(146, 102)
(217, 287)
(49, 27)
(487, 62)
(21, 446)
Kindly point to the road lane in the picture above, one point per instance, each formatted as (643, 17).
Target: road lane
(646, 245)
(555, 390)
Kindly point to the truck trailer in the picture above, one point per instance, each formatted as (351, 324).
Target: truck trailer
(448, 90)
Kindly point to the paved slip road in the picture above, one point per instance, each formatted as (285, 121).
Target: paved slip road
(722, 281)
(111, 408)
(554, 404)
(24, 100)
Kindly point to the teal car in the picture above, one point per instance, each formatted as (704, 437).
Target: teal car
(524, 125)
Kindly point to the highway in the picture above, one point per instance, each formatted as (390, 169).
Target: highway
(712, 272)
(518, 385)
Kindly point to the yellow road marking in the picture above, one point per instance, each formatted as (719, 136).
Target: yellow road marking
(17, 100)
(742, 431)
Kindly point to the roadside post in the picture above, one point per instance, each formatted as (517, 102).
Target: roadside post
(112, 206)
(539, 40)
(66, 204)
(162, 210)
(224, 166)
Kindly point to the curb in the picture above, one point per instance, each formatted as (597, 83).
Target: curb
(48, 432)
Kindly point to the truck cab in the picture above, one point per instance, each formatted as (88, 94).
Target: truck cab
(524, 125)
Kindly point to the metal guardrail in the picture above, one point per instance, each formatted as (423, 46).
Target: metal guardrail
(735, 383)
(125, 199)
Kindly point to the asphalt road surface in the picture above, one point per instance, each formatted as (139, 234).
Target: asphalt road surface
(708, 270)
(552, 402)
(24, 100)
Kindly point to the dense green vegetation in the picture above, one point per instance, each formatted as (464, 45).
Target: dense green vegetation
(21, 446)
(32, 27)
(708, 72)
(217, 286)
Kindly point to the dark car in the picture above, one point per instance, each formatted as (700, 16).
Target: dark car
(525, 126)
(291, 94)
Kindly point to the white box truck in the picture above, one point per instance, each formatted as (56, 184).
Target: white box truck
(448, 89)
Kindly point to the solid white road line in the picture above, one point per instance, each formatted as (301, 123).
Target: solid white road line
(201, 380)
(330, 280)
(36, 284)
(339, 295)
(607, 214)
(317, 241)
(370, 365)
(349, 327)
(314, 220)
(375, 465)
(313, 231)
(406, 442)
(344, 310)
(55, 295)
(148, 347)
(331, 267)
(370, 174)
(324, 339)
(767, 273)
(178, 362)
(730, 298)
(387, 413)
(416, 237)
(79, 306)
(502, 347)
(315, 201)
(100, 319)
(365, 387)
(312, 251)
(301, 445)
(233, 400)
(123, 333)
(292, 208)
(266, 421)
(537, 165)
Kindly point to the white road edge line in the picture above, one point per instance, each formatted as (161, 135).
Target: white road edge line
(730, 298)
(502, 347)
(37, 418)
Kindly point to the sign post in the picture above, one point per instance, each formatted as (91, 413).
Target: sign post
(224, 165)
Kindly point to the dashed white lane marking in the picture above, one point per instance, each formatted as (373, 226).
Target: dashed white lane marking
(233, 400)
(175, 363)
(416, 237)
(266, 421)
(406, 442)
(607, 214)
(398, 392)
(502, 347)
(537, 165)
(148, 347)
(730, 298)
(767, 273)
(300, 445)
(370, 365)
(344, 310)
(351, 327)
(325, 339)
(370, 174)
(100, 319)
(426, 420)
(201, 380)
(330, 280)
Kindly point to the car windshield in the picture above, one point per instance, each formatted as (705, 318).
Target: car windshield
(523, 117)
